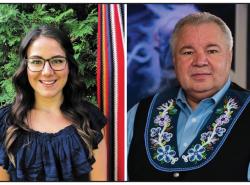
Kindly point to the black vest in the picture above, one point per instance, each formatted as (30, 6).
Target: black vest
(229, 164)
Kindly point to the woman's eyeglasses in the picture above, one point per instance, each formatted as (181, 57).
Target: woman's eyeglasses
(37, 64)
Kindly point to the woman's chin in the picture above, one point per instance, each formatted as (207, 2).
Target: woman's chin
(48, 95)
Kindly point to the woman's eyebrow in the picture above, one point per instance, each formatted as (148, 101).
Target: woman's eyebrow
(37, 56)
(58, 56)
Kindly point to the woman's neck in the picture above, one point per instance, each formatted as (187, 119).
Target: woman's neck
(46, 115)
(51, 104)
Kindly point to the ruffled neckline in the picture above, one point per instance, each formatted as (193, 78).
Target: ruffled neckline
(42, 156)
(68, 130)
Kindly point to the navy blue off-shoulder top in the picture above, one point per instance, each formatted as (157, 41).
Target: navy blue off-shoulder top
(60, 156)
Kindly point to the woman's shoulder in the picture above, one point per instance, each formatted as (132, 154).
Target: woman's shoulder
(97, 122)
(4, 111)
(95, 114)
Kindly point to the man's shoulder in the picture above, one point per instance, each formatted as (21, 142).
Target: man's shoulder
(236, 87)
(168, 93)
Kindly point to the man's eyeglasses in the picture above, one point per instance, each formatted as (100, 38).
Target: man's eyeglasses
(37, 64)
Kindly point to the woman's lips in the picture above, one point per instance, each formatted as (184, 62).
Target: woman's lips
(47, 83)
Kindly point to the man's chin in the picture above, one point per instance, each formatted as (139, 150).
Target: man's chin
(202, 93)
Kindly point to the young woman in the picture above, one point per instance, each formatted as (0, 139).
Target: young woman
(50, 131)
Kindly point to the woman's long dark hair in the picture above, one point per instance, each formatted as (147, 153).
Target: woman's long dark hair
(73, 106)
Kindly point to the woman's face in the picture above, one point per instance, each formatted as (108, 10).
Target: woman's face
(47, 83)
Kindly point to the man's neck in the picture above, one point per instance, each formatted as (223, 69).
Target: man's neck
(192, 102)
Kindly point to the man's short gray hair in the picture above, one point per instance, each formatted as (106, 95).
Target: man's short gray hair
(197, 19)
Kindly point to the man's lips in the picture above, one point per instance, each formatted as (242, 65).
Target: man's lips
(200, 76)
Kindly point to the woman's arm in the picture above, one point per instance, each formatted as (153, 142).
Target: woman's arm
(4, 176)
(99, 172)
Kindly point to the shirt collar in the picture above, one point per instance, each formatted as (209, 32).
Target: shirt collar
(216, 97)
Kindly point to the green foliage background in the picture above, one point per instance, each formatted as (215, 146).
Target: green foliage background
(79, 20)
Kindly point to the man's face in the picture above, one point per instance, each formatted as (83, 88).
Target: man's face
(202, 59)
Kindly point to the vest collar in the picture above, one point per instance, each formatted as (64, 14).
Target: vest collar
(160, 131)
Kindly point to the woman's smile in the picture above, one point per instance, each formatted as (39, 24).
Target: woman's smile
(48, 83)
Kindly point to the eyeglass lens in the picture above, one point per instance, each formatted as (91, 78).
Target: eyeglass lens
(37, 64)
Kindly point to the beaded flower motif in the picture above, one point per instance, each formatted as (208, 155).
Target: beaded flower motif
(161, 135)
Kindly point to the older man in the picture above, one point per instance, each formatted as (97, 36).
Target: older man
(198, 131)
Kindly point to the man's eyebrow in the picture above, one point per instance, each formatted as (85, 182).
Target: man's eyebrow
(191, 47)
(186, 47)
(212, 45)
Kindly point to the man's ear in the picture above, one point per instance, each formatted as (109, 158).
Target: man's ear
(230, 57)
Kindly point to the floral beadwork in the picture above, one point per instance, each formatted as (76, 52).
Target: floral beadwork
(161, 119)
(216, 130)
(166, 154)
(161, 134)
(195, 154)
